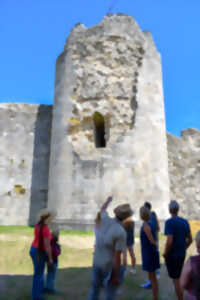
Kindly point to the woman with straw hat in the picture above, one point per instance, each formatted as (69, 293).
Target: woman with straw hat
(40, 252)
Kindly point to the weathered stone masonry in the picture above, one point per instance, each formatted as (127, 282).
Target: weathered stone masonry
(22, 190)
(107, 135)
(108, 79)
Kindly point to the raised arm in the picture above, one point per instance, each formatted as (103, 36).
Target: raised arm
(105, 205)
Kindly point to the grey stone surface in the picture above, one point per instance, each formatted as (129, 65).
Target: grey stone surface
(184, 170)
(112, 69)
(24, 161)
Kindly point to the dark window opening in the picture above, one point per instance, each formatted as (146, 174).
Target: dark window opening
(99, 130)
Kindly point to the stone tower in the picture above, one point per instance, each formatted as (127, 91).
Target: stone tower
(108, 130)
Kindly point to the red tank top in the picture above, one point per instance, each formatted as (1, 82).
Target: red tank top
(45, 234)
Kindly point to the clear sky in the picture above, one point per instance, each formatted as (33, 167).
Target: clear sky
(33, 34)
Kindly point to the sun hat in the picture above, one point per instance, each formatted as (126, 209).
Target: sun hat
(123, 211)
(45, 214)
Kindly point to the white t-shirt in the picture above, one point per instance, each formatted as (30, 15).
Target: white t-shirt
(110, 237)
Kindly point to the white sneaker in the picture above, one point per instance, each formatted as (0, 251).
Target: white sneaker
(133, 271)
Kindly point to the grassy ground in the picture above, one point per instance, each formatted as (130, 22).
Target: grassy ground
(74, 267)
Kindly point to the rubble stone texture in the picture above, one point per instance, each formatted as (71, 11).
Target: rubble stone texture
(184, 170)
(108, 130)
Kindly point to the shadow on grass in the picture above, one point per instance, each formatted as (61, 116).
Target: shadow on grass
(75, 283)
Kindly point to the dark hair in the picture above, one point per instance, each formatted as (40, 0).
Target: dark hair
(147, 205)
(119, 218)
(41, 223)
(128, 225)
(55, 238)
(144, 213)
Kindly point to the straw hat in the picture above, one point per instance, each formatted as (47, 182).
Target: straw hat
(123, 211)
(46, 215)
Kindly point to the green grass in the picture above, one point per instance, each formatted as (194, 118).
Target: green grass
(74, 272)
(15, 229)
(29, 229)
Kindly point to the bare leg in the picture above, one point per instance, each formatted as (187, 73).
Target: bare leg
(132, 255)
(179, 292)
(154, 282)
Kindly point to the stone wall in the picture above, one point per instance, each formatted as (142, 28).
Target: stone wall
(184, 171)
(24, 161)
(24, 166)
(109, 74)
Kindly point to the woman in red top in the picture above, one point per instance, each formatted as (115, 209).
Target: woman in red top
(40, 252)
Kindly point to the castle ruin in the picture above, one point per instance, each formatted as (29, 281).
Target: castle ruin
(106, 134)
(108, 128)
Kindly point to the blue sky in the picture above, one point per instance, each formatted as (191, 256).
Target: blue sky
(33, 34)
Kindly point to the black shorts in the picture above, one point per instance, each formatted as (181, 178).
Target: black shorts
(174, 266)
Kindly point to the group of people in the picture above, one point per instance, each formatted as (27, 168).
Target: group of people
(114, 238)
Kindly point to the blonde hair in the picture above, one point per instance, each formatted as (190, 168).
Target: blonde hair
(144, 213)
(197, 238)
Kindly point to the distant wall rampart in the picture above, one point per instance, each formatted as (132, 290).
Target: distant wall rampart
(24, 161)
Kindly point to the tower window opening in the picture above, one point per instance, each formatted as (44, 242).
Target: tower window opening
(99, 130)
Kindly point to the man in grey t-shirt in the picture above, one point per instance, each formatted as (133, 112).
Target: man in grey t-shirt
(110, 243)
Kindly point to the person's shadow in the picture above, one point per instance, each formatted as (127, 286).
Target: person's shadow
(74, 284)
